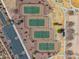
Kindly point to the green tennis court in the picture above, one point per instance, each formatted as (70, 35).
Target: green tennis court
(46, 46)
(36, 22)
(41, 34)
(31, 9)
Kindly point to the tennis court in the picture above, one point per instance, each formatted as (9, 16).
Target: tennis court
(31, 9)
(46, 46)
(36, 22)
(41, 34)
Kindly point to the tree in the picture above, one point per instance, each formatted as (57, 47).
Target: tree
(60, 30)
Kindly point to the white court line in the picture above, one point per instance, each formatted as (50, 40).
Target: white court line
(16, 31)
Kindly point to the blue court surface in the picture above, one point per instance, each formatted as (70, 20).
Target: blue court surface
(10, 33)
(2, 18)
(15, 43)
